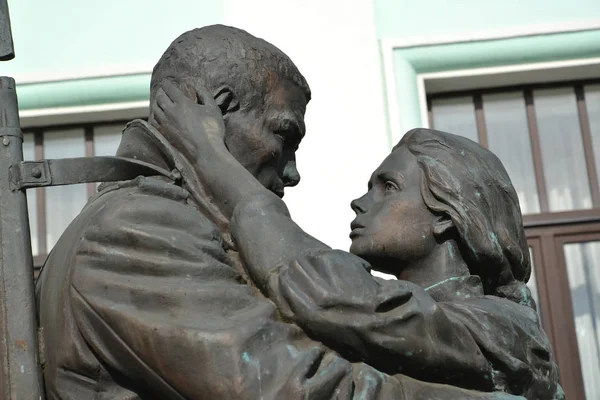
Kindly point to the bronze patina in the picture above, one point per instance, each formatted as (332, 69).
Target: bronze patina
(191, 281)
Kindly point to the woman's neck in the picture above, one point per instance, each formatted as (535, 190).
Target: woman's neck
(442, 263)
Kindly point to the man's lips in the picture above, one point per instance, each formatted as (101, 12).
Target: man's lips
(356, 228)
(279, 192)
(278, 187)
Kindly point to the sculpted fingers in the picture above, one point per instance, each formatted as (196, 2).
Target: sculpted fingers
(163, 101)
(159, 115)
(309, 364)
(332, 378)
(205, 97)
(319, 375)
(173, 92)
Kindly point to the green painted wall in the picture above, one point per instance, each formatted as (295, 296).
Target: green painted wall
(411, 61)
(435, 18)
(402, 18)
(83, 92)
(52, 39)
(54, 36)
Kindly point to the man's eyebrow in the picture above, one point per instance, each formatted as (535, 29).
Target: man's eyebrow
(292, 124)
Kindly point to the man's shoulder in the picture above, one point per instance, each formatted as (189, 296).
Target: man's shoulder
(146, 201)
(139, 211)
(145, 219)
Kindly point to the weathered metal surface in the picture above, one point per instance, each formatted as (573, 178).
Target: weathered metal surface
(21, 376)
(153, 286)
(6, 43)
(69, 171)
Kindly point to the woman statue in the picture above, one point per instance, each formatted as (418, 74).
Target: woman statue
(441, 215)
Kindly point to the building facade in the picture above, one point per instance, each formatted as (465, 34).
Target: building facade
(520, 77)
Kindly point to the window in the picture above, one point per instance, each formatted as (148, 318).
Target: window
(548, 138)
(51, 209)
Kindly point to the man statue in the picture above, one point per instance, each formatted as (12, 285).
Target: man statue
(145, 296)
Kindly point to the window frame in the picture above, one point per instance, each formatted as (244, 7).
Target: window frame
(547, 232)
(527, 90)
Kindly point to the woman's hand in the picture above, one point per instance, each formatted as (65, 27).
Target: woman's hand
(194, 126)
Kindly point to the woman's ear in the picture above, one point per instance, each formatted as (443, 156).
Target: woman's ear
(226, 99)
(442, 225)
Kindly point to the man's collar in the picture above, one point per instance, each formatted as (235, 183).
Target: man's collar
(456, 288)
(141, 141)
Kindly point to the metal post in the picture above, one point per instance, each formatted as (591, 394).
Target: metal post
(20, 372)
(6, 42)
(20, 358)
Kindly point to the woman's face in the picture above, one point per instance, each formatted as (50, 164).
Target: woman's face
(392, 222)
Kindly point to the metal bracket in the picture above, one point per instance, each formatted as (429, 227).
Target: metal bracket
(70, 171)
(30, 174)
(10, 131)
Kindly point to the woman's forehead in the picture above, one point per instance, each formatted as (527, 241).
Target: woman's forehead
(399, 159)
(400, 162)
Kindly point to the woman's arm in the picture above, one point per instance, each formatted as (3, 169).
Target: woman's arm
(392, 325)
(330, 294)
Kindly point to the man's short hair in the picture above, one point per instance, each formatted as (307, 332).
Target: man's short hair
(218, 55)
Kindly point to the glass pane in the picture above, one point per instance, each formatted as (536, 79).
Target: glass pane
(29, 155)
(532, 284)
(455, 115)
(63, 203)
(508, 138)
(592, 101)
(565, 170)
(583, 260)
(107, 139)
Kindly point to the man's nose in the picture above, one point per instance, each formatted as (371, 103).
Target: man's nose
(290, 177)
(358, 205)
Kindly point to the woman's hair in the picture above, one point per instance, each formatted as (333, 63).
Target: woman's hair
(469, 184)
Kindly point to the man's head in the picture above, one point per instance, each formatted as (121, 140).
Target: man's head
(260, 91)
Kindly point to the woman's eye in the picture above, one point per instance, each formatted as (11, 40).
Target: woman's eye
(390, 187)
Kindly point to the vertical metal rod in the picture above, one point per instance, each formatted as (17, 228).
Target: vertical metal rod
(430, 114)
(480, 119)
(588, 145)
(20, 359)
(536, 149)
(89, 152)
(40, 199)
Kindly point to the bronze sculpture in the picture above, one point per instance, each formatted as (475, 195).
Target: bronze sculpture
(201, 286)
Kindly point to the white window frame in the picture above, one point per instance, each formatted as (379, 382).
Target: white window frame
(465, 79)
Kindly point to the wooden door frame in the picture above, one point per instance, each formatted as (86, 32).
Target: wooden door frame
(547, 242)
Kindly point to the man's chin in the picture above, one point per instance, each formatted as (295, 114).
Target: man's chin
(276, 186)
(357, 249)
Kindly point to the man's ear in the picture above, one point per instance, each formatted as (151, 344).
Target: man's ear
(226, 99)
(442, 225)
